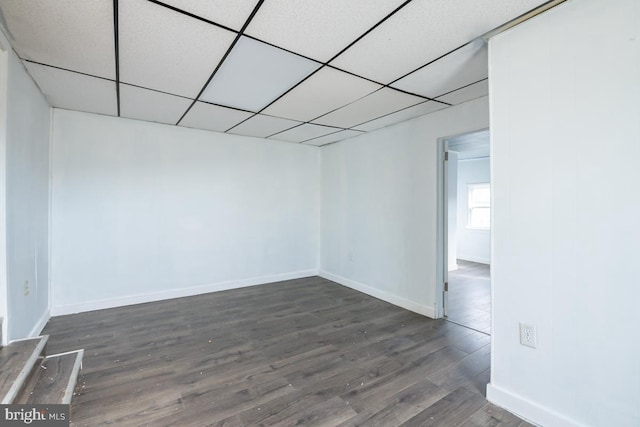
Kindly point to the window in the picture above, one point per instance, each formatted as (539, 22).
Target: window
(479, 206)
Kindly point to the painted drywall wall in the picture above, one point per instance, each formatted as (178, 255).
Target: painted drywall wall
(452, 211)
(143, 211)
(27, 203)
(565, 107)
(473, 245)
(379, 206)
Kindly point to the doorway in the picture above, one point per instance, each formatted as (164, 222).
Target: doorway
(466, 207)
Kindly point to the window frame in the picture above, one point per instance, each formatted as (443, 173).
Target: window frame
(474, 205)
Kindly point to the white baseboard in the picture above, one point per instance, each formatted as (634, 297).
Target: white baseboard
(5, 330)
(37, 329)
(474, 259)
(176, 293)
(453, 267)
(526, 409)
(380, 294)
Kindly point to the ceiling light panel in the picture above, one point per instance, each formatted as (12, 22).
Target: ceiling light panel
(334, 137)
(402, 115)
(317, 29)
(424, 30)
(321, 93)
(75, 35)
(370, 107)
(152, 106)
(262, 126)
(468, 93)
(304, 132)
(460, 68)
(213, 117)
(232, 14)
(254, 74)
(74, 91)
(168, 51)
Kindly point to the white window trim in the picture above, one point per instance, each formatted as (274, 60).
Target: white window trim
(471, 187)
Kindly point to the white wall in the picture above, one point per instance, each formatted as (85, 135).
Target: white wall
(143, 211)
(565, 105)
(27, 203)
(379, 206)
(452, 211)
(473, 245)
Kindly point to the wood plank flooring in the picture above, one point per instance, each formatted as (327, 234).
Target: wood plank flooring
(469, 301)
(300, 352)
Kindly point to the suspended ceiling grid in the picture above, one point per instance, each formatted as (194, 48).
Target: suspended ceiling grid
(301, 71)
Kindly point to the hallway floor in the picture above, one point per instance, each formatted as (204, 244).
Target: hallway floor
(470, 296)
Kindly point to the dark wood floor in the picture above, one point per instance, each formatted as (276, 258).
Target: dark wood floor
(301, 352)
(469, 301)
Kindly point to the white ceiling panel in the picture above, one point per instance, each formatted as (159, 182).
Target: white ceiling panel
(230, 13)
(334, 137)
(74, 91)
(370, 107)
(254, 74)
(423, 31)
(468, 93)
(76, 35)
(328, 88)
(168, 51)
(317, 29)
(213, 117)
(145, 104)
(471, 145)
(304, 132)
(262, 126)
(402, 115)
(460, 68)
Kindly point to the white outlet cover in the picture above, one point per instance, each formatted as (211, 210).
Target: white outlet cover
(528, 335)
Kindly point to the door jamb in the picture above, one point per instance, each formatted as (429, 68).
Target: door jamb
(441, 235)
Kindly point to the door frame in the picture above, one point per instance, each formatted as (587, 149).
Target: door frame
(442, 268)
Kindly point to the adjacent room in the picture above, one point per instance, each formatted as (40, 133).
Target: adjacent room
(337, 213)
(468, 203)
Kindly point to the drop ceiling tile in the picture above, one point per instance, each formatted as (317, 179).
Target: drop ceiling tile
(328, 89)
(402, 115)
(74, 91)
(168, 51)
(334, 137)
(145, 104)
(76, 35)
(423, 31)
(212, 117)
(232, 14)
(304, 132)
(317, 29)
(370, 107)
(460, 68)
(471, 145)
(468, 93)
(262, 126)
(254, 74)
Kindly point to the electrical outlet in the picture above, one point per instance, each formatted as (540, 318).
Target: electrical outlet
(528, 335)
(26, 287)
